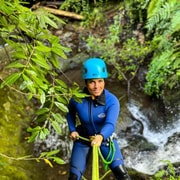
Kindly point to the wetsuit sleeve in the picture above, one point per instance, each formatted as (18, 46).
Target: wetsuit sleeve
(112, 114)
(71, 116)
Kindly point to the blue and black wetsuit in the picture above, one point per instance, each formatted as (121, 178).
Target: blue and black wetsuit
(97, 116)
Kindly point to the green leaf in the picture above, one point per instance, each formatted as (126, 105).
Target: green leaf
(51, 153)
(27, 83)
(39, 82)
(31, 72)
(11, 79)
(39, 60)
(44, 132)
(42, 111)
(42, 97)
(58, 160)
(61, 99)
(42, 135)
(50, 22)
(61, 106)
(43, 48)
(43, 154)
(58, 117)
(56, 126)
(15, 65)
(33, 136)
(30, 95)
(59, 52)
(37, 128)
(80, 95)
(55, 61)
(61, 83)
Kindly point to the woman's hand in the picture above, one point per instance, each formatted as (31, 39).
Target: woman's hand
(97, 140)
(74, 135)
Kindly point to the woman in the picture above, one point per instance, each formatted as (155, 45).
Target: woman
(97, 114)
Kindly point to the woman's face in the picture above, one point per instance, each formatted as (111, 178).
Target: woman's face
(95, 87)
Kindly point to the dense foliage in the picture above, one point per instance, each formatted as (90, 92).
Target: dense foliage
(161, 20)
(34, 61)
(164, 28)
(35, 53)
(126, 57)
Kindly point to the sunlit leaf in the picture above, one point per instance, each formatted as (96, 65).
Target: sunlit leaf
(61, 99)
(41, 62)
(43, 154)
(58, 117)
(15, 65)
(50, 22)
(42, 97)
(11, 79)
(43, 48)
(80, 95)
(61, 106)
(42, 111)
(40, 82)
(33, 136)
(61, 83)
(37, 128)
(48, 162)
(55, 61)
(46, 131)
(59, 52)
(51, 153)
(42, 135)
(56, 126)
(58, 160)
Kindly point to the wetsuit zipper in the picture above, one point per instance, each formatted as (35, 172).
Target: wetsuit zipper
(91, 117)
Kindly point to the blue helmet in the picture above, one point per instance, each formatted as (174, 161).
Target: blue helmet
(94, 68)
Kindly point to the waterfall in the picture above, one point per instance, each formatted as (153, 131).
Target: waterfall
(149, 162)
(157, 138)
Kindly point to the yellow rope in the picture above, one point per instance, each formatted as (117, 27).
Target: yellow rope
(95, 163)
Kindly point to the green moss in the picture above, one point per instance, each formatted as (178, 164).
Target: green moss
(15, 115)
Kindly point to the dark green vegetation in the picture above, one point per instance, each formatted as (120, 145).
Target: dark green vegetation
(35, 53)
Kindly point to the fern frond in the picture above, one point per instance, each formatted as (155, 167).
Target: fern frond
(175, 21)
(163, 14)
(153, 7)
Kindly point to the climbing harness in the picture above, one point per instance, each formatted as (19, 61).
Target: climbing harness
(95, 161)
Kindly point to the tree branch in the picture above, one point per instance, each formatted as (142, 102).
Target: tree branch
(59, 12)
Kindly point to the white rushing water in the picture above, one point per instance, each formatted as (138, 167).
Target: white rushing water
(157, 138)
(151, 161)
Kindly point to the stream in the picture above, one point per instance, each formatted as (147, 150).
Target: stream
(166, 141)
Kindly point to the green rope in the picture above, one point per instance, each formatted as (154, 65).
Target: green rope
(83, 138)
(105, 174)
(112, 151)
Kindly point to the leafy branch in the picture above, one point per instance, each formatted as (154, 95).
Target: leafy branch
(45, 156)
(35, 55)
